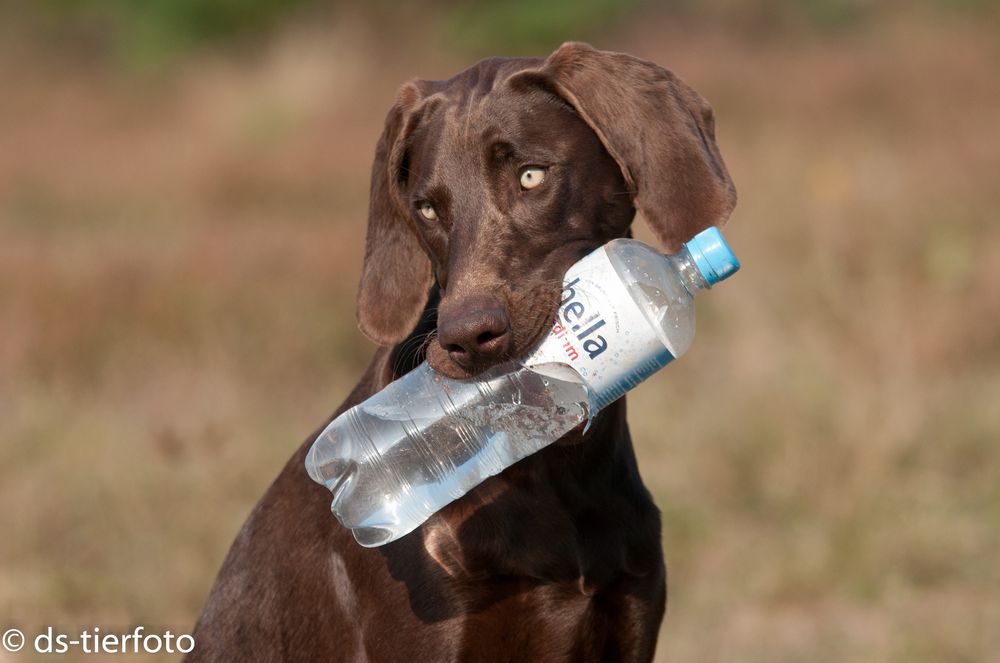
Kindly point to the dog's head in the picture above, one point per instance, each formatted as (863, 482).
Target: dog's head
(495, 181)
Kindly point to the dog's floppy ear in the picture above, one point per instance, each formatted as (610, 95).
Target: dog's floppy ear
(659, 130)
(396, 274)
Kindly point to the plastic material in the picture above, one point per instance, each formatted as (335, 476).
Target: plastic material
(712, 255)
(425, 440)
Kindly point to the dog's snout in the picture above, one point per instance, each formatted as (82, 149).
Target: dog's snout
(475, 331)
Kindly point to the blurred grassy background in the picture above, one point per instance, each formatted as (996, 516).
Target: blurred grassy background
(183, 187)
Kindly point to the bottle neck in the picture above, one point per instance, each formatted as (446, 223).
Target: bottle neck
(692, 278)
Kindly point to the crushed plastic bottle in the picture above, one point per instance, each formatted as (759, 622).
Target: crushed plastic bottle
(425, 440)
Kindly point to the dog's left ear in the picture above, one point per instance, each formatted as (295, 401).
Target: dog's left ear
(659, 130)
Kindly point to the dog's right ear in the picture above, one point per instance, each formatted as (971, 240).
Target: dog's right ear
(655, 126)
(396, 274)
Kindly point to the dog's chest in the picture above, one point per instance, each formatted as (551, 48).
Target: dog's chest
(549, 622)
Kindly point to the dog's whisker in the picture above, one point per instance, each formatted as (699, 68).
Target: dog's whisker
(409, 348)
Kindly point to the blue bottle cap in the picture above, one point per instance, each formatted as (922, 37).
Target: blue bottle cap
(713, 257)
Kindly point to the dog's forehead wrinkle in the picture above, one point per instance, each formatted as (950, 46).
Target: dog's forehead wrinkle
(486, 76)
(470, 108)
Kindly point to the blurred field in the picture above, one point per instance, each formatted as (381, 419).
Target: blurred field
(179, 248)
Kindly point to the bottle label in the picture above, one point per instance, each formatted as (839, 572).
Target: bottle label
(601, 332)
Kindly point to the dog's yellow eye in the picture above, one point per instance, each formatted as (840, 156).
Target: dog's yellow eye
(531, 177)
(427, 211)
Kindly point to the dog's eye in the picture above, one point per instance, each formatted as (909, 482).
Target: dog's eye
(531, 177)
(427, 211)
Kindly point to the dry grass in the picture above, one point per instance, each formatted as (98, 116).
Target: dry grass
(177, 267)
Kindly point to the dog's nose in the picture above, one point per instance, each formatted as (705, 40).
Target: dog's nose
(474, 331)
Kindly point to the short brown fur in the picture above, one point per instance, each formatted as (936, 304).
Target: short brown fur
(558, 558)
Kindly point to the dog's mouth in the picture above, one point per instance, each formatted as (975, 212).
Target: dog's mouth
(532, 312)
(439, 360)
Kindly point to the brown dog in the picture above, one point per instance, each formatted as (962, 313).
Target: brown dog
(485, 189)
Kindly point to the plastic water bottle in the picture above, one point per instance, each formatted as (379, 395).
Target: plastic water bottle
(425, 440)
